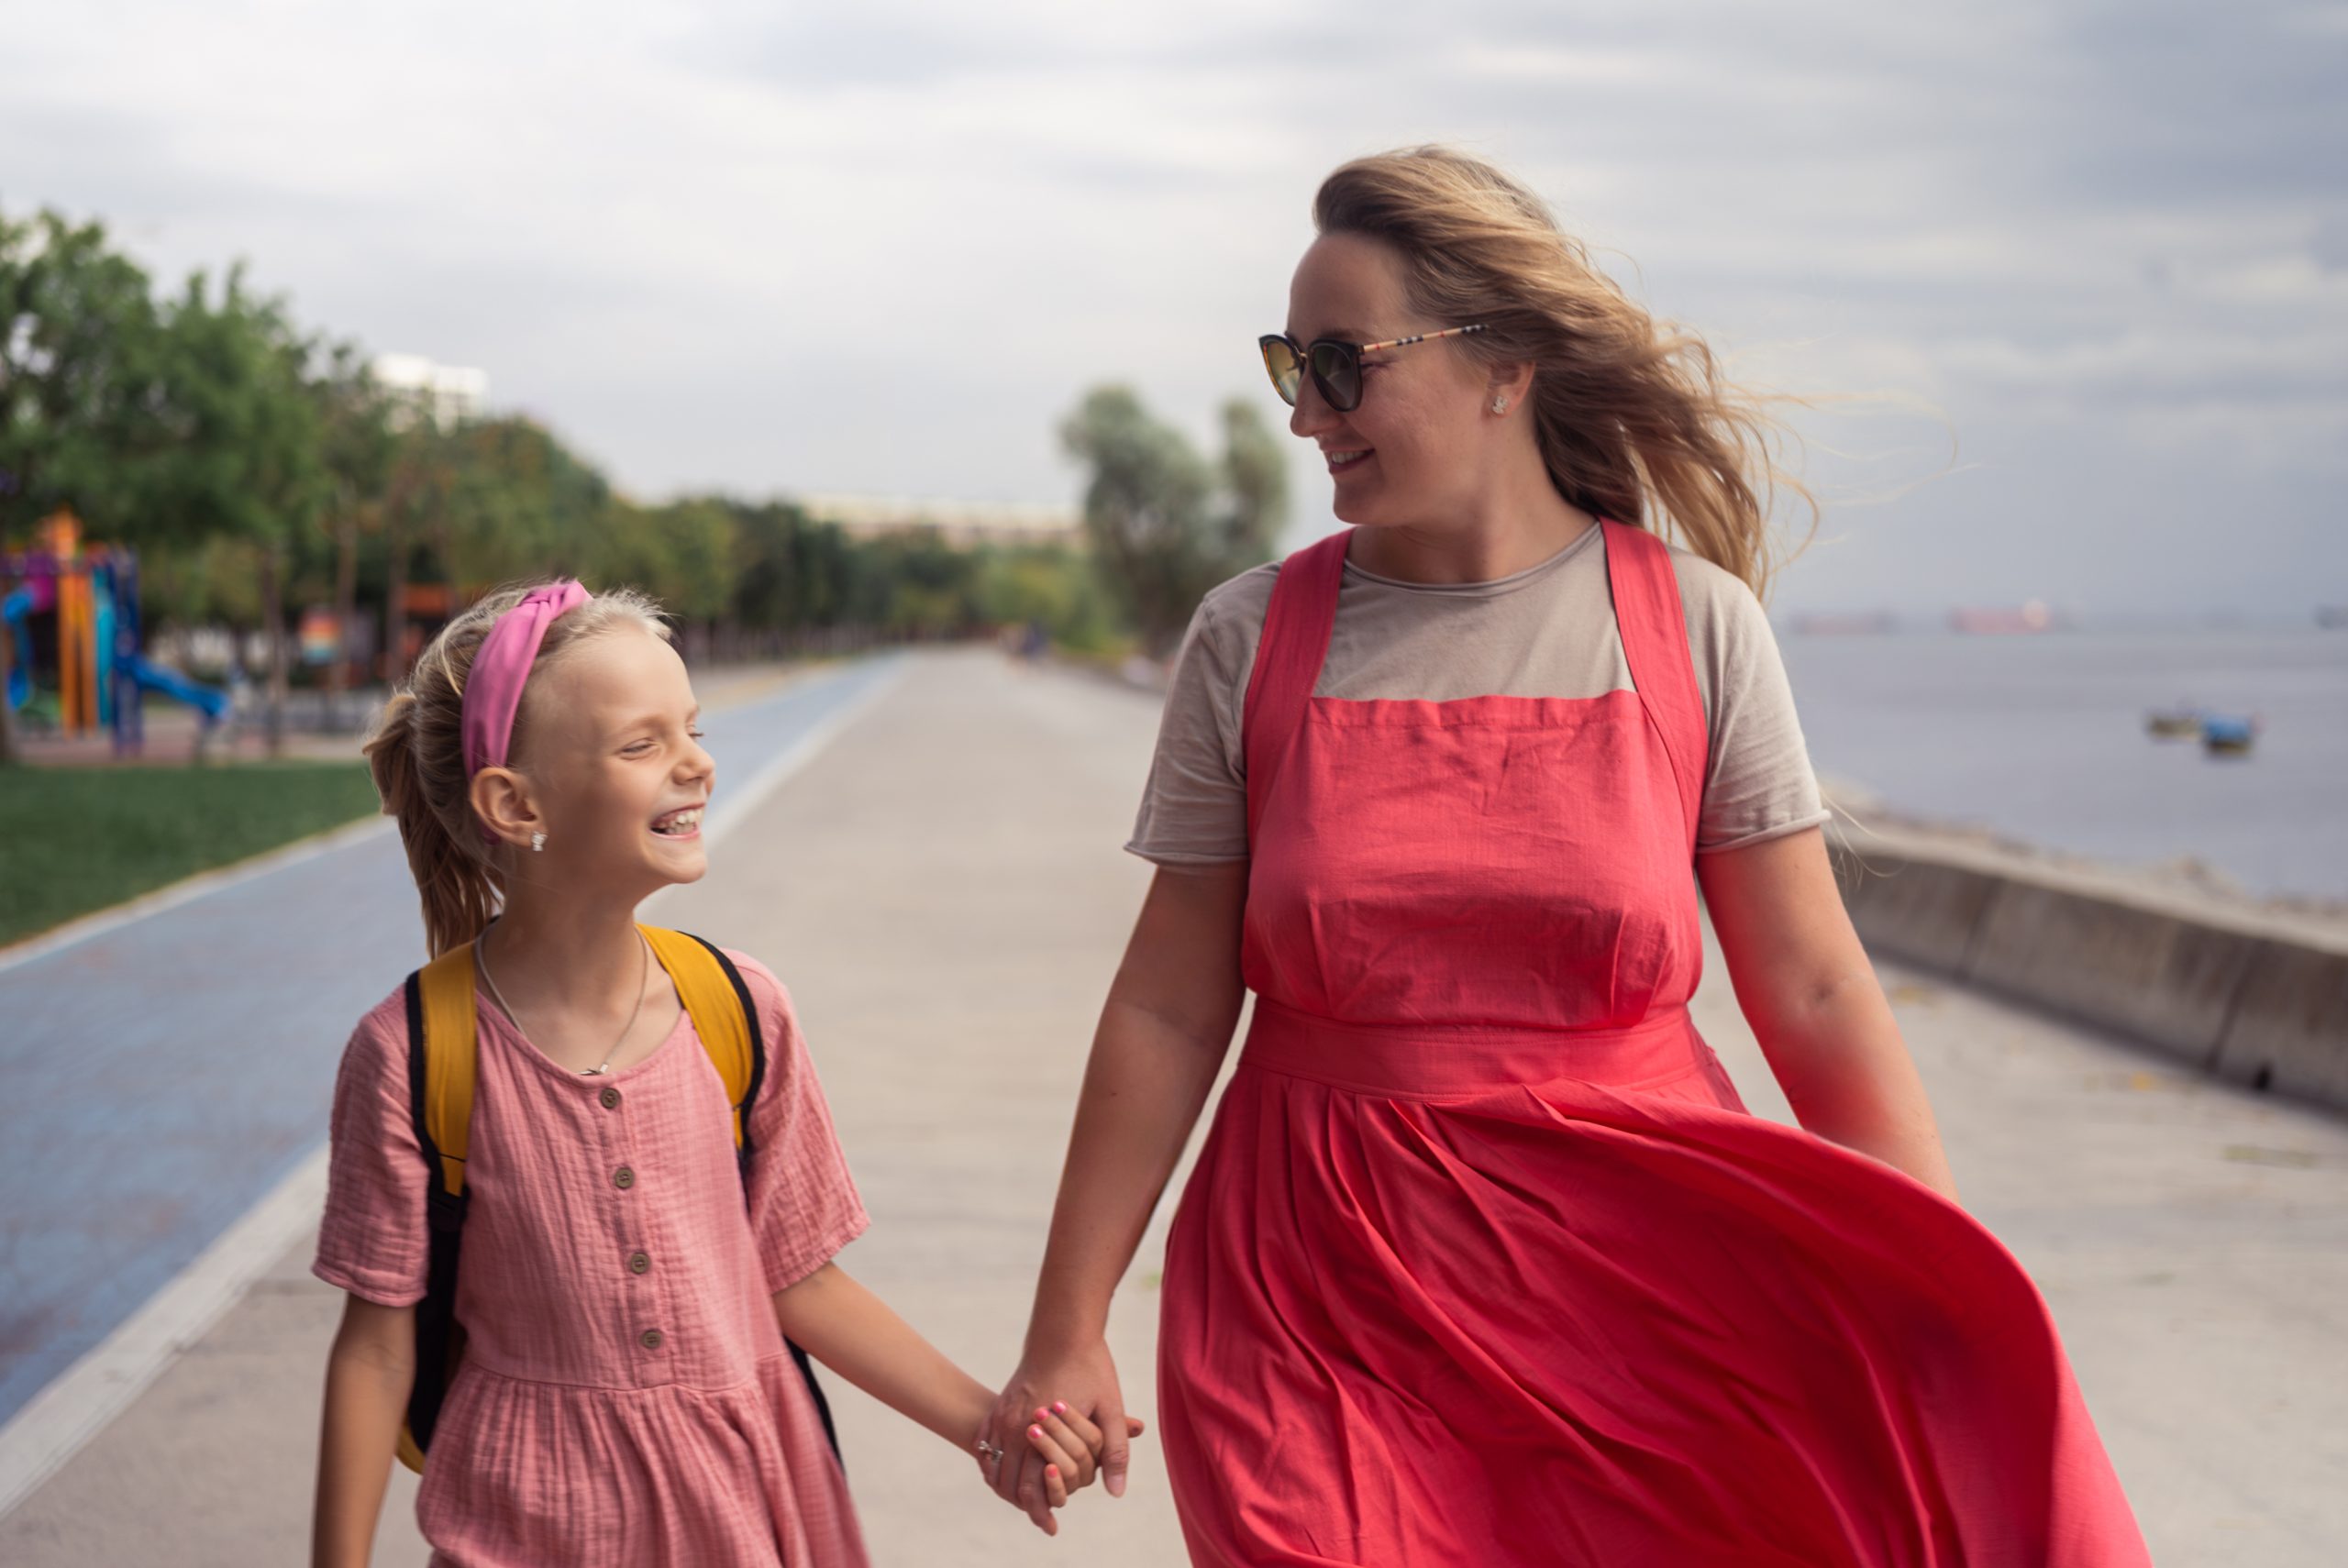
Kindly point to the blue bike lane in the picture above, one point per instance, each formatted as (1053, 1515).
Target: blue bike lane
(160, 1076)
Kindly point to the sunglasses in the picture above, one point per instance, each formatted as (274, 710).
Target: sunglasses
(1336, 367)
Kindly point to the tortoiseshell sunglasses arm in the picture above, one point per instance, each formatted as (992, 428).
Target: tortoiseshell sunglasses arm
(1422, 337)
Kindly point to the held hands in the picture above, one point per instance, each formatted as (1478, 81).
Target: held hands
(1035, 1450)
(1062, 1455)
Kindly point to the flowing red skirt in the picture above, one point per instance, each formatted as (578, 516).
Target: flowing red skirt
(1427, 1302)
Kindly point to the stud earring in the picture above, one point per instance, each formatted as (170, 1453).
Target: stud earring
(1500, 405)
(537, 841)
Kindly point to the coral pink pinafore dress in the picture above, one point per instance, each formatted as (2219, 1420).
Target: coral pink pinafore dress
(1484, 1262)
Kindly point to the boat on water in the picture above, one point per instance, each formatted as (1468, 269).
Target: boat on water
(2226, 735)
(2032, 617)
(2178, 723)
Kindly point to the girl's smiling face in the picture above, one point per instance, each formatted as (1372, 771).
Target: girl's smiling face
(1408, 453)
(614, 769)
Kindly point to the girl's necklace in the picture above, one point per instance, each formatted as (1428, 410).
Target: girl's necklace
(644, 972)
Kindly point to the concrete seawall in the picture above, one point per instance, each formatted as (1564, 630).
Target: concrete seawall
(2256, 996)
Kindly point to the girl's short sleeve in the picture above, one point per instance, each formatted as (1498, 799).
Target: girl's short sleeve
(372, 1241)
(804, 1206)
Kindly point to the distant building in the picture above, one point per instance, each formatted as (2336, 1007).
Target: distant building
(444, 395)
(961, 524)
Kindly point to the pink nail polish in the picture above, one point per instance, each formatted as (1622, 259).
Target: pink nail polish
(1052, 1471)
(1043, 1415)
(1035, 1431)
(1061, 1406)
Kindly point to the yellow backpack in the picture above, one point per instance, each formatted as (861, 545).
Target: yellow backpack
(442, 1055)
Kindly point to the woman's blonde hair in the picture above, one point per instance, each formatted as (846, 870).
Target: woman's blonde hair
(417, 756)
(1634, 417)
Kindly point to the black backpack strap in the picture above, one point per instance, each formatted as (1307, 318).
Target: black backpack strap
(435, 1315)
(757, 1078)
(757, 1050)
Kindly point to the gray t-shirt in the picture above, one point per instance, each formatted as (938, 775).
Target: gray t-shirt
(1547, 630)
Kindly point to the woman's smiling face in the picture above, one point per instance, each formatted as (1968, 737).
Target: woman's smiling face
(1409, 453)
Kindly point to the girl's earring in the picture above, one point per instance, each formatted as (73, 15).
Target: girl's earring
(1499, 404)
(537, 841)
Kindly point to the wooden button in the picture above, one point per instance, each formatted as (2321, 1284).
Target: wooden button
(649, 1339)
(639, 1262)
(611, 1098)
(623, 1178)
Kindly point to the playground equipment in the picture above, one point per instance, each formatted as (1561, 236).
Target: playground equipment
(70, 614)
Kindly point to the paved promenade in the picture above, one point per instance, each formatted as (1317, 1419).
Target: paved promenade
(943, 890)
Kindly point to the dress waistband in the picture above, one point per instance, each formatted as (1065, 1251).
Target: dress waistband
(1429, 1061)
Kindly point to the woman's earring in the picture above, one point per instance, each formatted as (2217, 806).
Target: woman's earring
(1499, 404)
(537, 841)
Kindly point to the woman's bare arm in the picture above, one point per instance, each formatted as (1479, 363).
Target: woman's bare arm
(1162, 1036)
(368, 1374)
(1812, 997)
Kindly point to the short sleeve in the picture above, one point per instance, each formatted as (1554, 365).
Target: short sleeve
(1758, 783)
(804, 1206)
(372, 1241)
(1194, 806)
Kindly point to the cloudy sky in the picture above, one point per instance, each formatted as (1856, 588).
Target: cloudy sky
(2084, 266)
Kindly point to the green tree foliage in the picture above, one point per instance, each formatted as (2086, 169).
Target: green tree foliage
(81, 369)
(244, 454)
(1165, 526)
(683, 554)
(518, 503)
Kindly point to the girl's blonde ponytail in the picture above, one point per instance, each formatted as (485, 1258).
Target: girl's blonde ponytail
(461, 889)
(416, 755)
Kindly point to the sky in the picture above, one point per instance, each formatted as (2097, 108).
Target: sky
(2069, 280)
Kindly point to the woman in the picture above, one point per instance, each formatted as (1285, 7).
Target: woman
(1483, 1260)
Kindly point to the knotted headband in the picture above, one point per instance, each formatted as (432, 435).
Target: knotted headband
(494, 690)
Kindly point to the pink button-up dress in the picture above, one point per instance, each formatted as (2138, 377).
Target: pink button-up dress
(625, 1396)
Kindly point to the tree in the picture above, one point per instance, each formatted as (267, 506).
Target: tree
(520, 504)
(1164, 526)
(356, 447)
(242, 458)
(81, 362)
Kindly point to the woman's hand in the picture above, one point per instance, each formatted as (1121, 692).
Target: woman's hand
(1087, 1433)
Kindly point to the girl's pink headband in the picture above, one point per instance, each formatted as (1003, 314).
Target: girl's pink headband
(494, 690)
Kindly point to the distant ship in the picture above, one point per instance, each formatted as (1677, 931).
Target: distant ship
(2180, 723)
(1845, 623)
(2033, 616)
(2223, 735)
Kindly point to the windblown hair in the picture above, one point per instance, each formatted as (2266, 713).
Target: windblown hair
(1634, 417)
(417, 756)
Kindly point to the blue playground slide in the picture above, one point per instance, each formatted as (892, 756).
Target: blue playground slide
(210, 700)
(13, 612)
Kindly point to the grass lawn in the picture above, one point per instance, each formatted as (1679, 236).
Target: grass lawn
(78, 839)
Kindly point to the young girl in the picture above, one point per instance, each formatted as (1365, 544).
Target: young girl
(625, 1394)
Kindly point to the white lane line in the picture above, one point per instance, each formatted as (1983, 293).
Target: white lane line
(85, 1397)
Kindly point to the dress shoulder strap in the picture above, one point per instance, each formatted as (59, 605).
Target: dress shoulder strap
(1288, 657)
(1655, 644)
